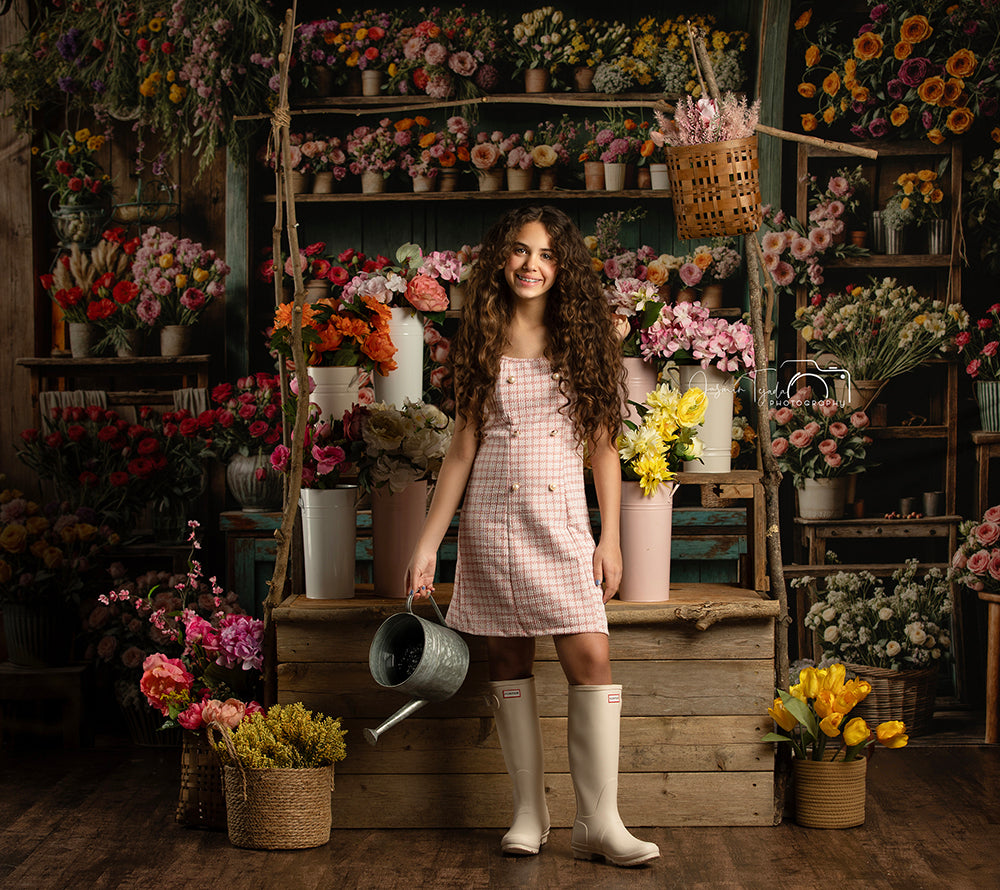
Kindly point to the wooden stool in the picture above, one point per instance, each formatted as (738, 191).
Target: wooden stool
(992, 667)
(987, 447)
(61, 690)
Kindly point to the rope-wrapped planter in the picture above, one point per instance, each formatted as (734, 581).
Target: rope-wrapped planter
(715, 188)
(202, 802)
(898, 695)
(829, 795)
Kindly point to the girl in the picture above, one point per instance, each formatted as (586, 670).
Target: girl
(538, 376)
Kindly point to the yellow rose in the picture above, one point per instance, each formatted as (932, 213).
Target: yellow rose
(829, 114)
(856, 732)
(831, 84)
(803, 20)
(812, 56)
(596, 264)
(868, 46)
(166, 260)
(995, 134)
(936, 196)
(892, 734)
(809, 122)
(35, 525)
(807, 333)
(657, 272)
(199, 275)
(543, 156)
(899, 115)
(935, 136)
(915, 28)
(85, 531)
(905, 203)
(703, 260)
(52, 557)
(952, 91)
(931, 90)
(959, 121)
(961, 64)
(13, 538)
(902, 50)
(830, 724)
(781, 716)
(691, 407)
(177, 93)
(807, 90)
(860, 94)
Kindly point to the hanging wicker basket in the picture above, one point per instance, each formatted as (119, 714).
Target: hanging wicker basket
(829, 795)
(898, 695)
(202, 803)
(715, 188)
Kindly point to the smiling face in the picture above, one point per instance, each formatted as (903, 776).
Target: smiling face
(532, 267)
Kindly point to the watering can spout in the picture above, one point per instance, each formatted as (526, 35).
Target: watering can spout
(411, 707)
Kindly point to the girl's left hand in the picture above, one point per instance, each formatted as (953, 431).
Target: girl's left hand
(608, 569)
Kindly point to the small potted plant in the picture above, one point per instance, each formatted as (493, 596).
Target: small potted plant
(78, 186)
(816, 713)
(538, 46)
(917, 201)
(979, 346)
(374, 154)
(489, 160)
(278, 771)
(820, 443)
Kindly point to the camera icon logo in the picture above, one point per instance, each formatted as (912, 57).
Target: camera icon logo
(807, 372)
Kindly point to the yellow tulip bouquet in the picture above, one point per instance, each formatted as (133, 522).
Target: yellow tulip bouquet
(652, 451)
(816, 712)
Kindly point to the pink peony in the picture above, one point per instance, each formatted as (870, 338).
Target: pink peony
(783, 416)
(779, 446)
(783, 274)
(979, 562)
(812, 428)
(828, 407)
(164, 679)
(190, 717)
(994, 566)
(820, 238)
(838, 429)
(833, 460)
(690, 274)
(800, 438)
(839, 186)
(426, 295)
(802, 248)
(992, 515)
(484, 156)
(773, 242)
(859, 420)
(827, 446)
(987, 533)
(228, 713)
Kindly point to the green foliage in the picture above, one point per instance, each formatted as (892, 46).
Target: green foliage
(286, 737)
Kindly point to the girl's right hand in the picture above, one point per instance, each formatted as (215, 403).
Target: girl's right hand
(420, 573)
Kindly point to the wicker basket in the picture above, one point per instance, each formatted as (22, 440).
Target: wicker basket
(202, 803)
(715, 187)
(829, 795)
(278, 809)
(898, 695)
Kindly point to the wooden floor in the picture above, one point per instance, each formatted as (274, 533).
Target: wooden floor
(103, 817)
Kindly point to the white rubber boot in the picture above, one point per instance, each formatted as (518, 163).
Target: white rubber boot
(594, 737)
(515, 710)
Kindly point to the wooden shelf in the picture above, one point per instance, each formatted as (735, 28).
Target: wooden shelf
(149, 364)
(563, 97)
(503, 195)
(908, 432)
(891, 261)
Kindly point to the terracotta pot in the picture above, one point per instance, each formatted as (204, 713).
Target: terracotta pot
(711, 296)
(352, 86)
(859, 237)
(593, 176)
(448, 180)
(397, 519)
(583, 79)
(643, 178)
(536, 80)
(686, 295)
(645, 541)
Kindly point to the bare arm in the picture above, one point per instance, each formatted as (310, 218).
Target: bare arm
(453, 478)
(608, 486)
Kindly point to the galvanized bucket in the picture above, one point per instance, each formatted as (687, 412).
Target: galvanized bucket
(413, 655)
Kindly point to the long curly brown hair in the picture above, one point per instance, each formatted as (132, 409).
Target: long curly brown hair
(581, 341)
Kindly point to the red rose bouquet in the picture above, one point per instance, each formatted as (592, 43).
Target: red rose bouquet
(248, 417)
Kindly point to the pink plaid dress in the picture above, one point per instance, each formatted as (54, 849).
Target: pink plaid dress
(525, 549)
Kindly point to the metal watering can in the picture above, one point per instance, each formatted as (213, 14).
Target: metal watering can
(426, 660)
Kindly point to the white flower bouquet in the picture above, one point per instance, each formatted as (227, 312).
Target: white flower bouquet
(402, 445)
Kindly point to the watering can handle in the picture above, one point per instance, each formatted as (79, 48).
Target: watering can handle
(409, 606)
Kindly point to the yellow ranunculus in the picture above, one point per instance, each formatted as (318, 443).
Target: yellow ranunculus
(905, 203)
(830, 724)
(82, 135)
(199, 274)
(856, 732)
(803, 20)
(961, 64)
(36, 525)
(691, 408)
(166, 260)
(902, 50)
(915, 28)
(596, 264)
(831, 84)
(781, 716)
(892, 734)
(899, 115)
(935, 136)
(177, 93)
(868, 46)
(38, 548)
(85, 531)
(807, 333)
(829, 114)
(959, 120)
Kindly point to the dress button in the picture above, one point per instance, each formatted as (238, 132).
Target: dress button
(552, 432)
(552, 486)
(556, 375)
(515, 487)
(510, 379)
(514, 433)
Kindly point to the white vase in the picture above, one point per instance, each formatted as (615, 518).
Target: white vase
(371, 82)
(336, 389)
(407, 381)
(640, 380)
(659, 178)
(329, 535)
(716, 433)
(397, 520)
(645, 537)
(372, 182)
(614, 177)
(822, 498)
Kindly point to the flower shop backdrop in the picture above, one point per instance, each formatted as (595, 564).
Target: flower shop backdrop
(377, 222)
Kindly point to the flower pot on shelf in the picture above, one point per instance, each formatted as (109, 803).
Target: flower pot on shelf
(317, 289)
(424, 183)
(898, 695)
(593, 176)
(323, 183)
(937, 236)
(614, 177)
(372, 182)
(583, 79)
(716, 433)
(645, 540)
(858, 395)
(175, 339)
(829, 794)
(643, 178)
(711, 296)
(371, 82)
(407, 381)
(397, 519)
(83, 339)
(202, 801)
(822, 498)
(301, 182)
(490, 180)
(878, 232)
(329, 533)
(547, 178)
(519, 180)
(988, 398)
(895, 241)
(536, 80)
(659, 178)
(336, 389)
(456, 295)
(79, 224)
(448, 180)
(859, 237)
(252, 493)
(131, 343)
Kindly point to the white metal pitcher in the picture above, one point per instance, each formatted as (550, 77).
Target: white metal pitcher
(411, 654)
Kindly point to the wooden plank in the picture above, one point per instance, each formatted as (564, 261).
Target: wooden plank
(318, 642)
(484, 800)
(708, 687)
(471, 745)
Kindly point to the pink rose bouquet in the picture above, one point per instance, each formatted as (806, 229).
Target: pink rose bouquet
(488, 151)
(979, 346)
(373, 149)
(177, 278)
(977, 560)
(688, 332)
(818, 438)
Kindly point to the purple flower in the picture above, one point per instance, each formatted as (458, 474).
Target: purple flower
(859, 131)
(927, 119)
(878, 127)
(67, 45)
(895, 89)
(878, 12)
(67, 84)
(914, 71)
